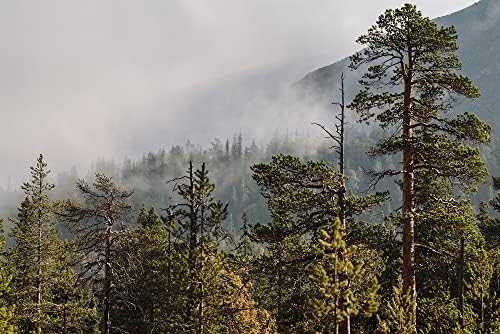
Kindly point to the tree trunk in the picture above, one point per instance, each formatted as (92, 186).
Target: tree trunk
(461, 283)
(409, 283)
(38, 328)
(193, 233)
(106, 322)
(201, 320)
(345, 327)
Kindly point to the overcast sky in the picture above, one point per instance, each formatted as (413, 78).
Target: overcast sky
(86, 79)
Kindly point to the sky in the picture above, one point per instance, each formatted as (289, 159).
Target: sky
(83, 80)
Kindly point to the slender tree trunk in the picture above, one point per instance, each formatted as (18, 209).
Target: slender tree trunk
(193, 234)
(481, 317)
(341, 131)
(409, 282)
(38, 328)
(201, 320)
(106, 322)
(169, 263)
(335, 311)
(461, 271)
(345, 326)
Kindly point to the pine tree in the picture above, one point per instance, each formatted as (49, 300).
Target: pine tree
(151, 271)
(240, 313)
(245, 244)
(199, 220)
(397, 317)
(43, 281)
(302, 199)
(149, 218)
(337, 278)
(417, 61)
(99, 224)
(495, 202)
(6, 312)
(482, 295)
(491, 225)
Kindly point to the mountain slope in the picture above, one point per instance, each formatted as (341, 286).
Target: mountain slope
(478, 27)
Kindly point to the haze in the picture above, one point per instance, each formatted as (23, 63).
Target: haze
(81, 80)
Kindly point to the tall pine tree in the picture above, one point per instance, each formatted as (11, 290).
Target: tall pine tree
(415, 62)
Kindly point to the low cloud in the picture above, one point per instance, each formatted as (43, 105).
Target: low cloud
(81, 80)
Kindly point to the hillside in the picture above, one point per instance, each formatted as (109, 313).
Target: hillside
(478, 28)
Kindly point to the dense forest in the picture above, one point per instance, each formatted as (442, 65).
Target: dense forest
(391, 226)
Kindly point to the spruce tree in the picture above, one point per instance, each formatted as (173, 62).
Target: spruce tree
(416, 64)
(43, 280)
(199, 219)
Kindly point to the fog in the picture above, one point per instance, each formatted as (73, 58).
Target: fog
(81, 80)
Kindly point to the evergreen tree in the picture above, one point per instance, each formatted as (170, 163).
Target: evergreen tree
(397, 316)
(302, 199)
(495, 202)
(149, 218)
(482, 295)
(245, 244)
(240, 313)
(337, 278)
(151, 271)
(491, 225)
(417, 61)
(199, 219)
(98, 225)
(43, 281)
(6, 311)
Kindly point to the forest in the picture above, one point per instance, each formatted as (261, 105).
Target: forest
(391, 225)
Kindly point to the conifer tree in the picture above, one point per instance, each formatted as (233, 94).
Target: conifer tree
(43, 281)
(482, 295)
(245, 244)
(302, 199)
(491, 225)
(397, 316)
(149, 218)
(150, 271)
(338, 278)
(495, 202)
(98, 225)
(6, 311)
(416, 63)
(199, 219)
